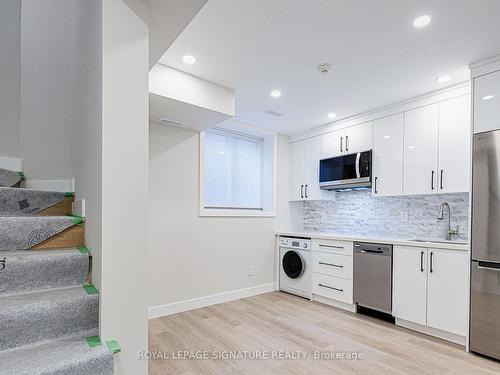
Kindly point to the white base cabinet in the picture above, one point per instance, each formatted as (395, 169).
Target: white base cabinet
(430, 287)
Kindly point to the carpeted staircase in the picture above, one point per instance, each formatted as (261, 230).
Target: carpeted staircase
(49, 312)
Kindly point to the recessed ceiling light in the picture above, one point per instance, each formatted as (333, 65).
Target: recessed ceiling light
(387, 136)
(411, 147)
(275, 93)
(488, 97)
(422, 21)
(188, 59)
(332, 115)
(444, 78)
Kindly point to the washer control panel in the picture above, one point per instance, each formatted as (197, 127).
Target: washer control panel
(295, 243)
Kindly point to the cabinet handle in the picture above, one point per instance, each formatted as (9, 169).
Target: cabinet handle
(347, 143)
(306, 191)
(421, 261)
(441, 183)
(302, 191)
(330, 264)
(376, 178)
(341, 140)
(331, 287)
(431, 269)
(432, 180)
(332, 246)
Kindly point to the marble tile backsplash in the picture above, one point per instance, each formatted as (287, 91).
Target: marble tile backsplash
(408, 217)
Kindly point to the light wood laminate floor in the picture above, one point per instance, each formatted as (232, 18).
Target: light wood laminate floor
(281, 322)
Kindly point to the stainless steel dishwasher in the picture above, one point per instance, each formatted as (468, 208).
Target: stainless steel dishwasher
(373, 276)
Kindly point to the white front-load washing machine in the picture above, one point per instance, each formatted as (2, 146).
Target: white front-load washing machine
(295, 266)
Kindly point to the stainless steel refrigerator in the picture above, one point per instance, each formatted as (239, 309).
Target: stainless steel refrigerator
(485, 267)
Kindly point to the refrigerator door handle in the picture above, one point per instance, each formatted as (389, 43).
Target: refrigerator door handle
(488, 266)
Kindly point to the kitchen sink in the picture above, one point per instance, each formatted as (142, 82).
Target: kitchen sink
(439, 241)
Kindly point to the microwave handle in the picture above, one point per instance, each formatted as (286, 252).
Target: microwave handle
(358, 156)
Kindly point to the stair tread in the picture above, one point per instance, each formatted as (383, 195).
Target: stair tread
(38, 316)
(23, 300)
(24, 232)
(69, 356)
(27, 271)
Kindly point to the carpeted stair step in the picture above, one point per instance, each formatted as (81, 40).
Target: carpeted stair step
(10, 178)
(68, 356)
(19, 202)
(27, 271)
(26, 232)
(31, 318)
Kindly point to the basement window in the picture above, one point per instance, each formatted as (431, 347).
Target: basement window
(237, 168)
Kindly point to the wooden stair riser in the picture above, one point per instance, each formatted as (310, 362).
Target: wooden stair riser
(60, 209)
(71, 237)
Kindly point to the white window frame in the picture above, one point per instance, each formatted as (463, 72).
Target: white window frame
(268, 194)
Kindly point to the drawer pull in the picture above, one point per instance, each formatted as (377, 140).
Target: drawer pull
(332, 246)
(331, 264)
(330, 287)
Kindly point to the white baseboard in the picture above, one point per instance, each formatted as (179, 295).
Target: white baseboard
(14, 164)
(448, 336)
(196, 303)
(78, 207)
(50, 185)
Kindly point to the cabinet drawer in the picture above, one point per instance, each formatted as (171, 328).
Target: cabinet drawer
(332, 287)
(333, 246)
(332, 264)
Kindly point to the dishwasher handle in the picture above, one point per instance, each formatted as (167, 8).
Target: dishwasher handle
(372, 249)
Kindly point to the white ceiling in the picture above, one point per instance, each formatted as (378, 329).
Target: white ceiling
(378, 56)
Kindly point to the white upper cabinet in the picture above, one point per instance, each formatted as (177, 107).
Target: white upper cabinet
(388, 156)
(332, 144)
(454, 145)
(487, 102)
(296, 172)
(305, 171)
(358, 138)
(346, 141)
(421, 150)
(447, 290)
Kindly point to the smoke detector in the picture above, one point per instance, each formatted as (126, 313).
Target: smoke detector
(324, 68)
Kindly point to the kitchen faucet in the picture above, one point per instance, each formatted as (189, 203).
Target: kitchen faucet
(449, 232)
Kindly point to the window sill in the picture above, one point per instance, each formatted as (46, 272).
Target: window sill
(222, 212)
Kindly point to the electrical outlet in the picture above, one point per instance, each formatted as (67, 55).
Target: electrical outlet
(404, 216)
(251, 271)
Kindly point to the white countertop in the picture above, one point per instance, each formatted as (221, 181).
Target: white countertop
(438, 244)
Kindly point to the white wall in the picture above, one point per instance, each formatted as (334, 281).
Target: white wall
(125, 180)
(45, 89)
(10, 77)
(191, 256)
(86, 119)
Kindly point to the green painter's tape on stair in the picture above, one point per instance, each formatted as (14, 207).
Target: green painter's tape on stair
(113, 346)
(77, 219)
(69, 194)
(21, 175)
(90, 289)
(83, 249)
(93, 341)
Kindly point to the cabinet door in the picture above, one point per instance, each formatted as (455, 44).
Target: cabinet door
(297, 171)
(487, 102)
(447, 290)
(358, 138)
(420, 150)
(454, 145)
(311, 168)
(409, 283)
(388, 156)
(331, 144)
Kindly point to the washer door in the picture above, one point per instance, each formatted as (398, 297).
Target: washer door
(293, 264)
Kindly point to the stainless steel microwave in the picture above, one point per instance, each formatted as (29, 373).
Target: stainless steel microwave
(346, 171)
